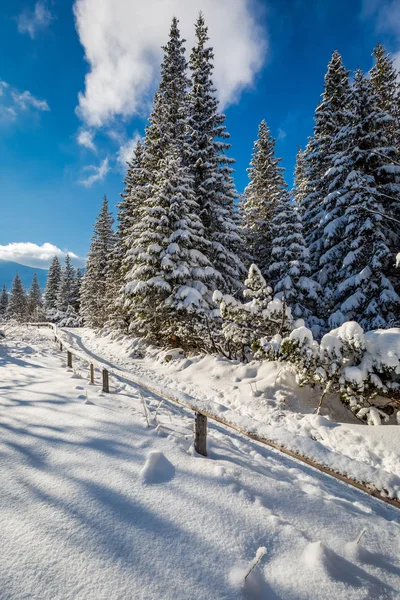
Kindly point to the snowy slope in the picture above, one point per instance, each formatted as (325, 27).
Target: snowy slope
(264, 398)
(97, 505)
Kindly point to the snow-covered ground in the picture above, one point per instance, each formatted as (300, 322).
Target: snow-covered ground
(95, 504)
(262, 397)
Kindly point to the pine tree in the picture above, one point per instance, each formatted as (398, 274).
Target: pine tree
(261, 197)
(3, 302)
(17, 303)
(34, 301)
(52, 285)
(66, 293)
(331, 117)
(167, 122)
(364, 292)
(129, 213)
(78, 285)
(93, 299)
(385, 82)
(290, 272)
(384, 79)
(205, 153)
(166, 288)
(300, 180)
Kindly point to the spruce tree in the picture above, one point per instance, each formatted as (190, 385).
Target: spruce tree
(331, 116)
(52, 285)
(17, 302)
(205, 153)
(93, 299)
(66, 293)
(3, 302)
(167, 122)
(261, 198)
(384, 79)
(166, 288)
(34, 301)
(290, 273)
(364, 293)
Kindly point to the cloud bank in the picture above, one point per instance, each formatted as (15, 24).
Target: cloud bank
(122, 43)
(33, 255)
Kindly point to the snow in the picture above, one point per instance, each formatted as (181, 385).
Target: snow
(261, 397)
(95, 504)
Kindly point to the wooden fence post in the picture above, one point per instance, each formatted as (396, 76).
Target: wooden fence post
(92, 373)
(61, 345)
(69, 359)
(200, 434)
(106, 387)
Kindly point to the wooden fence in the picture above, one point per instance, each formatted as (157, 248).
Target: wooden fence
(201, 418)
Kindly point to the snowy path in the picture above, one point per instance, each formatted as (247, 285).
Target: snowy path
(355, 451)
(96, 505)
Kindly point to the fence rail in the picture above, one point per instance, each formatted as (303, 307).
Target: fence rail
(201, 418)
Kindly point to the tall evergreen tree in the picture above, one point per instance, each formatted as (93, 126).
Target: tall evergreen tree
(290, 272)
(261, 197)
(66, 293)
(330, 117)
(166, 288)
(384, 78)
(364, 293)
(206, 147)
(34, 301)
(17, 303)
(3, 302)
(52, 285)
(167, 122)
(93, 298)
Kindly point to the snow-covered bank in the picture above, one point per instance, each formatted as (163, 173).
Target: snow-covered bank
(96, 505)
(262, 397)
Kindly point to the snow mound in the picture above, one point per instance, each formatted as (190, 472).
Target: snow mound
(157, 469)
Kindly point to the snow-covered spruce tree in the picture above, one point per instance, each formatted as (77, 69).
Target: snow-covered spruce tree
(3, 302)
(17, 302)
(384, 79)
(290, 273)
(66, 293)
(167, 122)
(205, 154)
(167, 297)
(93, 298)
(385, 82)
(364, 292)
(300, 181)
(330, 117)
(246, 323)
(261, 197)
(35, 301)
(129, 213)
(78, 285)
(52, 285)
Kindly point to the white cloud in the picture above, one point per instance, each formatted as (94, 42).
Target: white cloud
(33, 255)
(98, 173)
(26, 99)
(85, 138)
(14, 102)
(125, 152)
(122, 43)
(386, 14)
(32, 21)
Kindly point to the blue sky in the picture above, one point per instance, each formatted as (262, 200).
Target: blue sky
(77, 90)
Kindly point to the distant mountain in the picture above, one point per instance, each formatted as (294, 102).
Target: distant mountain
(9, 269)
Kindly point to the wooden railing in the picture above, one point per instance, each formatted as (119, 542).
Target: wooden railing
(202, 416)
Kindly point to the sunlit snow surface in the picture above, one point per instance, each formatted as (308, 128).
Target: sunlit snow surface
(96, 505)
